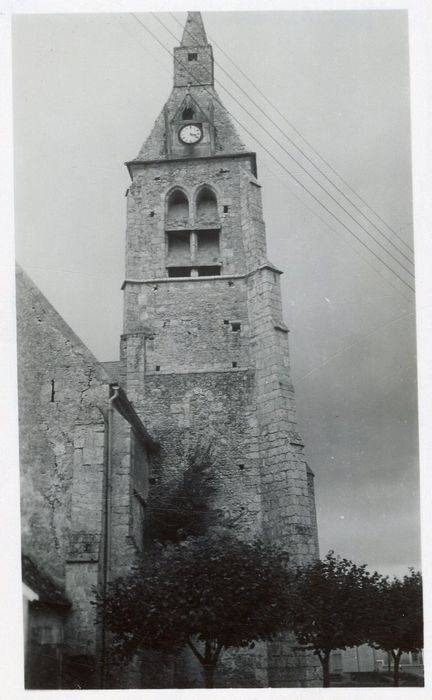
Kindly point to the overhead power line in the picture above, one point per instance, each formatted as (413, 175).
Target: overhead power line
(340, 221)
(297, 162)
(330, 228)
(137, 41)
(292, 126)
(389, 240)
(283, 182)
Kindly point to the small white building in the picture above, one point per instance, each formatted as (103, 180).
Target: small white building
(365, 659)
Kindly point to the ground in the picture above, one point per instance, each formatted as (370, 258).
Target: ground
(381, 679)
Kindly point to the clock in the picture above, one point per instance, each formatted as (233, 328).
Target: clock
(190, 133)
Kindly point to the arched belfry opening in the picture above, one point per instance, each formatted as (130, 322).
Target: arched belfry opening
(206, 204)
(178, 205)
(208, 227)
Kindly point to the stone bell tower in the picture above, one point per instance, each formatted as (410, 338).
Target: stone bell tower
(204, 349)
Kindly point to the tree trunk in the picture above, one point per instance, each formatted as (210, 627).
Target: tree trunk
(396, 669)
(209, 675)
(208, 660)
(211, 654)
(325, 663)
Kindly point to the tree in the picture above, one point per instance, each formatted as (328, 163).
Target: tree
(397, 622)
(208, 593)
(185, 509)
(330, 604)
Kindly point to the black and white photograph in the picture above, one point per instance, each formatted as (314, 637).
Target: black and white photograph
(216, 348)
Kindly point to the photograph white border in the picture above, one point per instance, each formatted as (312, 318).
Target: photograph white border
(420, 34)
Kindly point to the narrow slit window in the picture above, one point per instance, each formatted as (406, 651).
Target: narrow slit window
(225, 209)
(52, 391)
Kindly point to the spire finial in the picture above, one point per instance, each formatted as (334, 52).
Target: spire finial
(194, 32)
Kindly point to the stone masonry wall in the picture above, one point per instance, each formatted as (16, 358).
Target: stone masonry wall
(146, 252)
(183, 335)
(56, 375)
(83, 570)
(131, 467)
(210, 408)
(199, 72)
(184, 411)
(177, 356)
(285, 489)
(63, 402)
(288, 512)
(226, 137)
(43, 659)
(246, 413)
(252, 222)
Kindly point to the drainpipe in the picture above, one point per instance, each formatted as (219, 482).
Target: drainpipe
(106, 573)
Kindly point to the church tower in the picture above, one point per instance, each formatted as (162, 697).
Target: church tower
(204, 350)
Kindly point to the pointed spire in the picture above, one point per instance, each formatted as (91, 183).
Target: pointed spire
(193, 89)
(194, 32)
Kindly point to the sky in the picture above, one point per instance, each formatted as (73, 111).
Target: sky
(86, 92)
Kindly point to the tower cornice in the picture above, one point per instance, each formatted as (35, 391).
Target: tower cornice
(222, 156)
(217, 278)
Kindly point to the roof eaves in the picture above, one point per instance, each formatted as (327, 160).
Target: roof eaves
(126, 409)
(43, 585)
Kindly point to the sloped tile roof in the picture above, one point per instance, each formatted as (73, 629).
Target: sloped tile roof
(48, 592)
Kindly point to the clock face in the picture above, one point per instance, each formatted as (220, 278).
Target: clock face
(191, 133)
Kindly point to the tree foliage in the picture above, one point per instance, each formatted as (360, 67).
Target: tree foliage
(200, 586)
(208, 593)
(397, 621)
(186, 508)
(332, 600)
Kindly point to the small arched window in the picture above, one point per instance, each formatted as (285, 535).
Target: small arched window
(178, 205)
(188, 113)
(206, 204)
